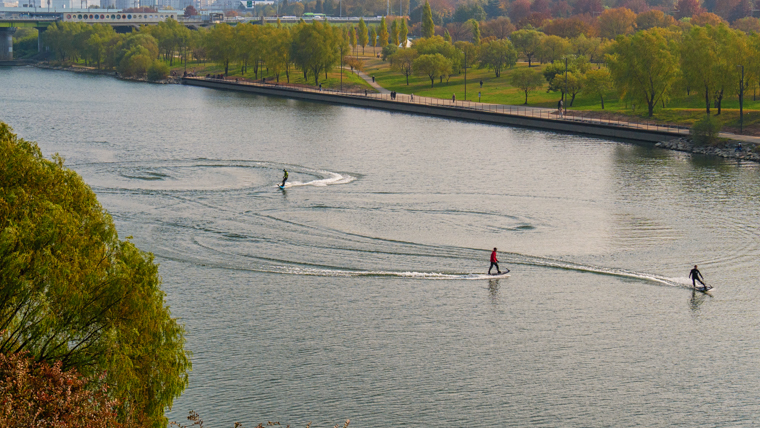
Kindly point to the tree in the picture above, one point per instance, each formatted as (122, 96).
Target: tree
(644, 66)
(570, 82)
(707, 18)
(36, 394)
(526, 80)
(190, 11)
(699, 53)
(403, 62)
(471, 53)
(394, 32)
(567, 27)
(74, 293)
(220, 45)
(688, 8)
(498, 55)
(432, 65)
(446, 36)
(362, 34)
(614, 22)
(428, 26)
(749, 25)
(469, 10)
(383, 33)
(598, 82)
(493, 9)
(403, 32)
(518, 10)
(373, 38)
(591, 7)
(552, 48)
(475, 31)
(526, 41)
(654, 18)
(499, 28)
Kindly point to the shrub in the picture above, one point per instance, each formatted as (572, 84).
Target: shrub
(158, 71)
(705, 131)
(39, 395)
(388, 50)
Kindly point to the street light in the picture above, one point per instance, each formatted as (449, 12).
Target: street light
(465, 75)
(564, 94)
(741, 102)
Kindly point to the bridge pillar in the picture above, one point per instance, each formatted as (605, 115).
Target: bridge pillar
(40, 42)
(6, 43)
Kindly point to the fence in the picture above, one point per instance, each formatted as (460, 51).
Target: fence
(574, 116)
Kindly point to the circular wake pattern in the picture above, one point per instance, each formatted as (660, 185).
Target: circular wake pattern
(203, 175)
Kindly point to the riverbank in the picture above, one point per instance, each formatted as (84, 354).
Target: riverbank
(662, 136)
(668, 137)
(91, 70)
(728, 150)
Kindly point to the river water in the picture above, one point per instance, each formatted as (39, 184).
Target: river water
(358, 291)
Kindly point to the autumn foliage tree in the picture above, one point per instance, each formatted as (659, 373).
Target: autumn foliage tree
(37, 394)
(73, 293)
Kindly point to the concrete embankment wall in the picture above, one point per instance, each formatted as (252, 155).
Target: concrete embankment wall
(597, 130)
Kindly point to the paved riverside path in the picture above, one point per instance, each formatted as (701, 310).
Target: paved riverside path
(546, 113)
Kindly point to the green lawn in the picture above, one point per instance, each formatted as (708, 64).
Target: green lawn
(684, 110)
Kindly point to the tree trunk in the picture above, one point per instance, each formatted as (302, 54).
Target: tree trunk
(432, 81)
(526, 98)
(720, 101)
(602, 98)
(707, 99)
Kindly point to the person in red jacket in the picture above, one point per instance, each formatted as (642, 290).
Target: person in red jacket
(494, 262)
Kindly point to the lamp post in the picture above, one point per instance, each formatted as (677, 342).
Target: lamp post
(564, 94)
(741, 101)
(465, 75)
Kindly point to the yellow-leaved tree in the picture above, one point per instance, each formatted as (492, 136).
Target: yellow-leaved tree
(73, 293)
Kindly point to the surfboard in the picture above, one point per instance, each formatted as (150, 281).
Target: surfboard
(705, 289)
(280, 186)
(498, 275)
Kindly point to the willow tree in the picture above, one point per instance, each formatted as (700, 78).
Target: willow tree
(73, 293)
(644, 66)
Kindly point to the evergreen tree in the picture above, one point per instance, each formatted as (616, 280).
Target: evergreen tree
(428, 26)
(493, 9)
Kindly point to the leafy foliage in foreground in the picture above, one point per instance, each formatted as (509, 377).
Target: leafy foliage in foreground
(73, 292)
(37, 395)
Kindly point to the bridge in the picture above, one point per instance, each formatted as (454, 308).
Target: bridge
(17, 17)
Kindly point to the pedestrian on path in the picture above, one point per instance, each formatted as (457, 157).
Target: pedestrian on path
(412, 97)
(478, 96)
(481, 83)
(453, 98)
(560, 104)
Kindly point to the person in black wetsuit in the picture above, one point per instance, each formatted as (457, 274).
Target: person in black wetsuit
(696, 276)
(284, 177)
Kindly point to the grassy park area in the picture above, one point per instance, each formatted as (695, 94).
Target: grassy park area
(684, 110)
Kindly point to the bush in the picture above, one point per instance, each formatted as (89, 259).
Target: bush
(388, 50)
(705, 131)
(36, 394)
(158, 71)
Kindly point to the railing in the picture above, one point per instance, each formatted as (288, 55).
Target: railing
(574, 116)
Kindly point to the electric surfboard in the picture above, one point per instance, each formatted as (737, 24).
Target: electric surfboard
(504, 274)
(705, 289)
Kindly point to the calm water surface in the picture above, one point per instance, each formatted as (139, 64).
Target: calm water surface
(357, 292)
